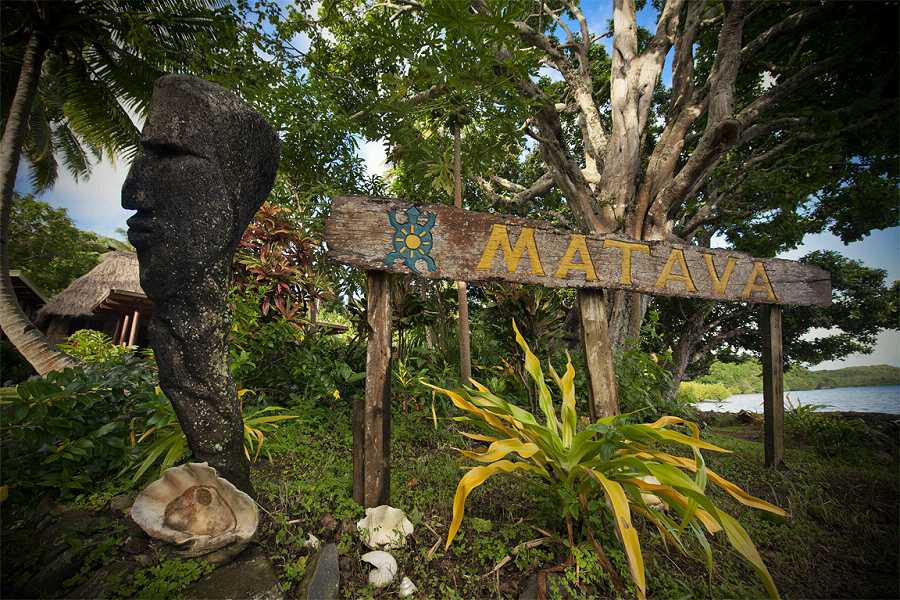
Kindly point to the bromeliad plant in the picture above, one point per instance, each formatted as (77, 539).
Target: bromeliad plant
(627, 463)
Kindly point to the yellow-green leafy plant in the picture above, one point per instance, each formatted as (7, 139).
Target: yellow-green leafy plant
(169, 444)
(630, 465)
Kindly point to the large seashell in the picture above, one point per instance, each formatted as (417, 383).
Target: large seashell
(385, 568)
(385, 527)
(406, 588)
(191, 506)
(652, 500)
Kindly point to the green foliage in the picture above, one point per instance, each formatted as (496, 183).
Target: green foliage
(164, 580)
(829, 434)
(47, 248)
(101, 61)
(271, 356)
(740, 377)
(644, 386)
(746, 377)
(690, 392)
(62, 433)
(95, 347)
(625, 463)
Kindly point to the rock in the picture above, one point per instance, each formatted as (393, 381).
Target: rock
(50, 578)
(135, 545)
(208, 163)
(104, 580)
(249, 577)
(323, 576)
(121, 504)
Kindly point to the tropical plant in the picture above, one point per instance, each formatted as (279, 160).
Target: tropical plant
(71, 72)
(628, 463)
(168, 444)
(92, 347)
(63, 433)
(276, 256)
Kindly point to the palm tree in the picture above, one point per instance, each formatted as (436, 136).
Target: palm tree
(84, 65)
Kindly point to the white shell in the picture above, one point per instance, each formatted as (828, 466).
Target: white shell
(386, 527)
(406, 588)
(312, 542)
(191, 506)
(650, 499)
(385, 568)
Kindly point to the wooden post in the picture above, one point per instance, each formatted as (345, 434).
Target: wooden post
(134, 328)
(773, 384)
(115, 337)
(465, 350)
(598, 354)
(372, 414)
(121, 339)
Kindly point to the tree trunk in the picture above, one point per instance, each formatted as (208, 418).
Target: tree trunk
(598, 354)
(27, 338)
(465, 351)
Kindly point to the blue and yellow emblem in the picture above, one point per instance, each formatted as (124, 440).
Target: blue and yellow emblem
(412, 241)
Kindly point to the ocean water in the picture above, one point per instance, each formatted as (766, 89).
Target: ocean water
(876, 398)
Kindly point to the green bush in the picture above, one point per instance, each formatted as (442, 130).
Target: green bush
(694, 391)
(94, 347)
(607, 471)
(645, 385)
(72, 428)
(828, 434)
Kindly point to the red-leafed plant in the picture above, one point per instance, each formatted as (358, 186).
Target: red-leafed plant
(275, 259)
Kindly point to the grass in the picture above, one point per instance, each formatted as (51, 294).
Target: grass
(840, 542)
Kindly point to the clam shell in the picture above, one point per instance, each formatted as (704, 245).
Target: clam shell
(385, 527)
(406, 588)
(385, 567)
(192, 507)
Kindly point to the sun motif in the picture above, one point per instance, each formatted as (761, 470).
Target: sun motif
(412, 241)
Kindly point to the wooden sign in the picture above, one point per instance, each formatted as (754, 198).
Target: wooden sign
(443, 242)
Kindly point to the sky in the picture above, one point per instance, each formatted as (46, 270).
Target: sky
(94, 204)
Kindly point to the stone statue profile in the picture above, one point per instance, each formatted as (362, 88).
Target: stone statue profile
(208, 163)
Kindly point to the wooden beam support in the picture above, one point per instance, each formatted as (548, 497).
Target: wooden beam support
(134, 328)
(598, 354)
(121, 339)
(773, 384)
(372, 420)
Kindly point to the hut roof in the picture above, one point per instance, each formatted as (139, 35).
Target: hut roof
(117, 271)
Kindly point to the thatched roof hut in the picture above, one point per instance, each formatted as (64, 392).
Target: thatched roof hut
(108, 298)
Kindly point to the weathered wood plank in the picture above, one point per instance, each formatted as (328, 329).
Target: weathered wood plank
(377, 414)
(773, 385)
(450, 243)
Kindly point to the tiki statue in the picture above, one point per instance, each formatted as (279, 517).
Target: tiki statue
(207, 164)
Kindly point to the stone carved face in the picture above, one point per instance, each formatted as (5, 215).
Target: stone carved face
(206, 165)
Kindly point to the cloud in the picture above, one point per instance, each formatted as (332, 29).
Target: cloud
(374, 156)
(94, 204)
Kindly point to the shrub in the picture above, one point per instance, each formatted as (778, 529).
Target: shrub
(828, 434)
(63, 432)
(644, 387)
(694, 391)
(93, 347)
(623, 462)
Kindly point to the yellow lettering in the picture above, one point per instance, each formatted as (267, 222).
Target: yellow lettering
(577, 245)
(720, 284)
(759, 271)
(627, 248)
(676, 256)
(499, 241)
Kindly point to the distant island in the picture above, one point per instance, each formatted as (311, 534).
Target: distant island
(726, 379)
